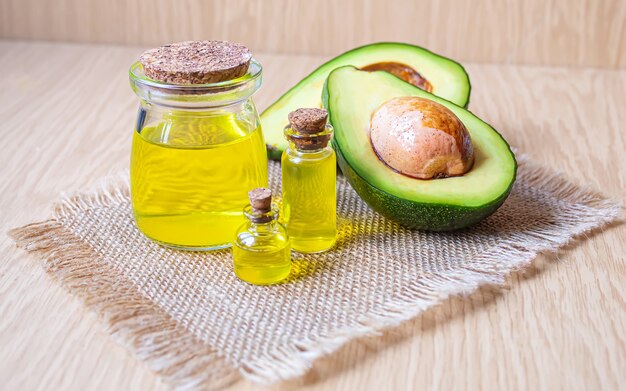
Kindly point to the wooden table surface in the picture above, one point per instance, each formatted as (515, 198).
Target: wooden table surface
(66, 117)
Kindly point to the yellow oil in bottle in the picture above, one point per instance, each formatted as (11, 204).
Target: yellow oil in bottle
(261, 251)
(190, 176)
(265, 263)
(310, 199)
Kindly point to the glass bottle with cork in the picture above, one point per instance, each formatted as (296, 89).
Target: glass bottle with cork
(309, 168)
(262, 252)
(197, 145)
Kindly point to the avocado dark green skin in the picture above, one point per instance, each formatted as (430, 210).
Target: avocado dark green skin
(469, 92)
(411, 214)
(274, 153)
(423, 216)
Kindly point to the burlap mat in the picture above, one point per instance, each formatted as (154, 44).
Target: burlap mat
(197, 325)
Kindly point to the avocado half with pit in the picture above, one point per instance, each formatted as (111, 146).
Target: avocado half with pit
(352, 97)
(418, 66)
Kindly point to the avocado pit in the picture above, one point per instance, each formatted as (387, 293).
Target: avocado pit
(421, 138)
(401, 71)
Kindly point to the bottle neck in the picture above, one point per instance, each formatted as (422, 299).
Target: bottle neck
(308, 143)
(294, 152)
(261, 219)
(261, 228)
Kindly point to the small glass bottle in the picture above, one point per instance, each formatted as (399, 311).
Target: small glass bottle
(262, 252)
(309, 168)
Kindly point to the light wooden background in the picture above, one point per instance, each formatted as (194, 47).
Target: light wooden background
(542, 32)
(561, 325)
(67, 111)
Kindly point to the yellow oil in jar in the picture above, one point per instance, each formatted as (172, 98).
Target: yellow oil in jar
(190, 177)
(310, 199)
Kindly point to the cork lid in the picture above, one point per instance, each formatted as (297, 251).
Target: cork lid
(261, 206)
(260, 199)
(196, 62)
(308, 129)
(308, 120)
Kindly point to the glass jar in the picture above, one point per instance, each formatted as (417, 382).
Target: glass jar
(196, 152)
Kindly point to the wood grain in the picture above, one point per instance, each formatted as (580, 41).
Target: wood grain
(67, 121)
(588, 33)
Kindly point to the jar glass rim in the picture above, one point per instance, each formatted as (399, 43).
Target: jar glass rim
(138, 75)
(210, 94)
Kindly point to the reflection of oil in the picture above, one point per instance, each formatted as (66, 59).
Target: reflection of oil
(190, 178)
(301, 269)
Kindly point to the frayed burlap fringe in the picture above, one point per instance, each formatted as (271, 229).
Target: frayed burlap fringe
(168, 348)
(186, 361)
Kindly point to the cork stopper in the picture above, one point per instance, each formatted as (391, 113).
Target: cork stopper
(261, 199)
(308, 120)
(196, 62)
(309, 129)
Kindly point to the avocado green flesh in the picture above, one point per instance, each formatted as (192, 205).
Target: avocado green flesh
(427, 216)
(448, 79)
(351, 96)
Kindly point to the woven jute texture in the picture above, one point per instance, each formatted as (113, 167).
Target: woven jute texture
(197, 325)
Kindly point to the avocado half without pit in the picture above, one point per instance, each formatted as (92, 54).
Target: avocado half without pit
(416, 158)
(413, 64)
